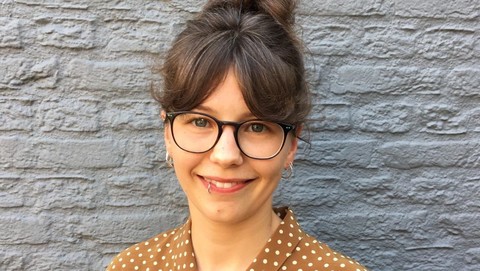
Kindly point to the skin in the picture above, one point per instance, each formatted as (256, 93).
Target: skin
(229, 229)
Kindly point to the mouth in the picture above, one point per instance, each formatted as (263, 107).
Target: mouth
(224, 185)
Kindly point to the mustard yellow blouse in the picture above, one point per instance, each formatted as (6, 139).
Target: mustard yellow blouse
(289, 248)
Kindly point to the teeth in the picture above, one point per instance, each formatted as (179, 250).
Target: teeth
(222, 184)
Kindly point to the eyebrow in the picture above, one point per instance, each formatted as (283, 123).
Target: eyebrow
(211, 111)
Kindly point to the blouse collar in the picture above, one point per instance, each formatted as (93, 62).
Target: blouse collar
(279, 247)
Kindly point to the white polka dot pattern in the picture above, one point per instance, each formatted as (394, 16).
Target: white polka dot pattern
(289, 248)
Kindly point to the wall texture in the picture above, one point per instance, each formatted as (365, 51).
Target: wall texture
(391, 178)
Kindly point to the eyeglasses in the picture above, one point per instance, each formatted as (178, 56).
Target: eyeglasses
(198, 133)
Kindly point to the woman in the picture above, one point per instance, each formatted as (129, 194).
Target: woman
(234, 102)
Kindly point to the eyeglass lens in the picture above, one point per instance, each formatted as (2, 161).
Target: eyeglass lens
(197, 133)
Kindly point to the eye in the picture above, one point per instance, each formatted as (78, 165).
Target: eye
(257, 127)
(200, 122)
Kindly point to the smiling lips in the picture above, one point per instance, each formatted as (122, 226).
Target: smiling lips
(224, 186)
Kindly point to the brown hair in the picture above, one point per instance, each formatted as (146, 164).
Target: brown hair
(256, 38)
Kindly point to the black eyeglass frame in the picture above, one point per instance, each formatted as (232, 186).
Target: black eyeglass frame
(170, 116)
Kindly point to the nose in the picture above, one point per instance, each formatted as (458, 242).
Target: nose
(226, 152)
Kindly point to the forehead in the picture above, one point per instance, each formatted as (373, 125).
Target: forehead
(226, 101)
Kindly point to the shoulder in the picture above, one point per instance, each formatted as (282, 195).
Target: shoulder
(143, 253)
(315, 255)
(309, 253)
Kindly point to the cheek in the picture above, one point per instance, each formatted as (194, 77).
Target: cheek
(184, 163)
(271, 169)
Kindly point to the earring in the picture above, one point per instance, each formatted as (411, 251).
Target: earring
(288, 171)
(168, 160)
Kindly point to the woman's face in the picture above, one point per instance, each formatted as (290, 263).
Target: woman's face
(241, 187)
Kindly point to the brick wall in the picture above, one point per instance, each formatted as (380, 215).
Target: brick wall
(391, 178)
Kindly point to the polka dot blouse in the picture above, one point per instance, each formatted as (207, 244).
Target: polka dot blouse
(289, 248)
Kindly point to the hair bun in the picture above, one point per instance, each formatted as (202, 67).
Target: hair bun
(280, 10)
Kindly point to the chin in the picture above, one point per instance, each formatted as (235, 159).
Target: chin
(223, 213)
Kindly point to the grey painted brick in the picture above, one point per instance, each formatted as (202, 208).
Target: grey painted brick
(145, 153)
(385, 41)
(140, 37)
(447, 43)
(132, 115)
(396, 118)
(408, 155)
(343, 7)
(476, 49)
(472, 256)
(433, 191)
(464, 81)
(327, 38)
(387, 80)
(327, 192)
(187, 5)
(437, 191)
(443, 119)
(8, 72)
(460, 224)
(45, 72)
(27, 229)
(124, 229)
(374, 186)
(437, 9)
(64, 192)
(473, 123)
(21, 152)
(311, 191)
(341, 153)
(71, 115)
(64, 32)
(12, 261)
(143, 190)
(371, 225)
(10, 33)
(136, 190)
(16, 114)
(108, 75)
(11, 192)
(48, 4)
(334, 117)
(102, 153)
(19, 71)
(16, 152)
(62, 259)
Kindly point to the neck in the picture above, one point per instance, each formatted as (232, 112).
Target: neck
(231, 246)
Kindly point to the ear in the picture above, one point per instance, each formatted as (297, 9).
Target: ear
(293, 147)
(163, 115)
(167, 134)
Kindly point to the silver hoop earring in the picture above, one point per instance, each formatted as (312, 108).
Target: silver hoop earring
(168, 160)
(288, 171)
